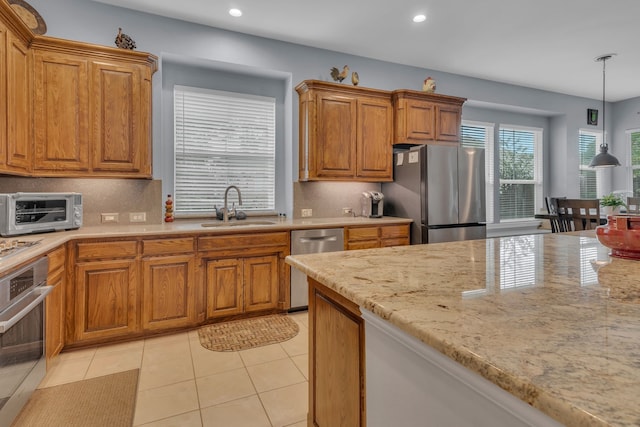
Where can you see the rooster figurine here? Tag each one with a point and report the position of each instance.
(339, 76)
(123, 41)
(355, 79)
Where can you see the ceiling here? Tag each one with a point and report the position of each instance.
(543, 44)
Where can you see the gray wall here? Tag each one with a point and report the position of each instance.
(186, 43)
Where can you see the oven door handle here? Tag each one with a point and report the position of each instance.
(15, 313)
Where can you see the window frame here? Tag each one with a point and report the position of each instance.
(538, 178)
(217, 195)
(598, 171)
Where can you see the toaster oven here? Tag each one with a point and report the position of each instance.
(29, 213)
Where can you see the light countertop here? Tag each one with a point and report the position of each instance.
(550, 318)
(49, 241)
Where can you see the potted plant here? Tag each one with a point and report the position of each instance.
(611, 204)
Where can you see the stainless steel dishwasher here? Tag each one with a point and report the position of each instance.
(310, 242)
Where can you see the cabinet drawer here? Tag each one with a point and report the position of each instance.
(394, 231)
(56, 259)
(242, 241)
(362, 233)
(362, 244)
(399, 241)
(168, 246)
(111, 250)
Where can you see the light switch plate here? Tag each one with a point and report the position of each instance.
(306, 213)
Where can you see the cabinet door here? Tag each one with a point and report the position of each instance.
(420, 119)
(106, 299)
(117, 124)
(260, 283)
(18, 105)
(448, 120)
(374, 139)
(336, 134)
(61, 113)
(223, 283)
(3, 95)
(336, 337)
(54, 319)
(168, 297)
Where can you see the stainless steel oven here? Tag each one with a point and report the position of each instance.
(22, 336)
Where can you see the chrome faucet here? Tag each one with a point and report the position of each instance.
(225, 210)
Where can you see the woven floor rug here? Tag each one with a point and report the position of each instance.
(97, 402)
(248, 333)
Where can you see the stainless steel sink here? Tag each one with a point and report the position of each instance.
(237, 223)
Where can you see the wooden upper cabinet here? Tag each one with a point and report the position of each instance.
(102, 98)
(345, 132)
(72, 109)
(121, 121)
(18, 78)
(336, 134)
(424, 118)
(61, 113)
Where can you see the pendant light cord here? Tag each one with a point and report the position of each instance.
(604, 65)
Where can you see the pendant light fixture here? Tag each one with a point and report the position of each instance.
(604, 159)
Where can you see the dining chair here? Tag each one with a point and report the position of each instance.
(633, 205)
(579, 214)
(557, 226)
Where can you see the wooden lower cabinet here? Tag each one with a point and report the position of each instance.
(336, 360)
(370, 237)
(106, 299)
(244, 285)
(260, 277)
(54, 306)
(223, 282)
(168, 292)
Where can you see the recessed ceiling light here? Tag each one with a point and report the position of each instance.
(235, 12)
(419, 18)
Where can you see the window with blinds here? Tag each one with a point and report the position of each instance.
(588, 143)
(520, 157)
(223, 139)
(480, 135)
(635, 161)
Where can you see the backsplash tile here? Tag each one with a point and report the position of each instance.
(328, 198)
(121, 196)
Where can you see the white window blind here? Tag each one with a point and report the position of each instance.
(635, 161)
(520, 157)
(480, 135)
(588, 143)
(223, 139)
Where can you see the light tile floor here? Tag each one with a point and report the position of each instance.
(182, 384)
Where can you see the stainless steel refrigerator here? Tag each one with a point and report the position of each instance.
(442, 188)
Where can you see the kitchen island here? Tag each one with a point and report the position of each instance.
(549, 319)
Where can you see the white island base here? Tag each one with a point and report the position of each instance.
(409, 384)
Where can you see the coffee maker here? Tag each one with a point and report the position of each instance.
(371, 203)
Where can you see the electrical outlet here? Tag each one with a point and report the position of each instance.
(108, 217)
(137, 217)
(347, 211)
(306, 213)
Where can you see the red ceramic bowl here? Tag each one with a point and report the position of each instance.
(621, 235)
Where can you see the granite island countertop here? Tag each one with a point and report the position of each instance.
(550, 318)
(50, 241)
